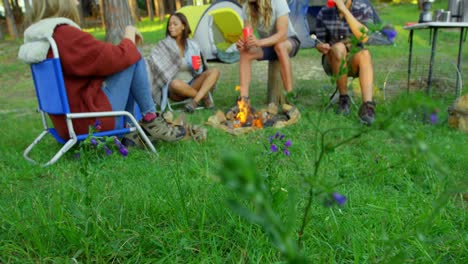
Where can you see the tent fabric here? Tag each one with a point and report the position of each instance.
(229, 21)
(193, 14)
(216, 25)
(298, 17)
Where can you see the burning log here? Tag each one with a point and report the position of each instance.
(246, 119)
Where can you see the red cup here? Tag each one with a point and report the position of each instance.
(196, 61)
(330, 3)
(247, 31)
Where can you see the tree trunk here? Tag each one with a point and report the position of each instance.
(177, 4)
(159, 9)
(27, 7)
(16, 10)
(134, 10)
(116, 16)
(28, 10)
(171, 6)
(275, 84)
(101, 13)
(1, 32)
(81, 12)
(10, 19)
(149, 9)
(156, 7)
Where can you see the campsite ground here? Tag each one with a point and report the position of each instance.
(405, 180)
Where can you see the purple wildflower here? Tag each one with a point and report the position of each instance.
(273, 148)
(288, 143)
(281, 137)
(286, 152)
(123, 151)
(107, 150)
(77, 155)
(270, 139)
(433, 118)
(117, 142)
(97, 124)
(390, 33)
(339, 199)
(277, 135)
(93, 142)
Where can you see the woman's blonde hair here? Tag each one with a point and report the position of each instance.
(55, 8)
(259, 9)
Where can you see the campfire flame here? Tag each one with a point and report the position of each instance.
(245, 114)
(244, 111)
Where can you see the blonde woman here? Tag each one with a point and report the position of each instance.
(278, 41)
(99, 76)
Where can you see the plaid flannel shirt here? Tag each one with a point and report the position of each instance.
(331, 28)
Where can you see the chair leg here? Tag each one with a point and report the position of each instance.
(33, 144)
(70, 143)
(56, 157)
(169, 105)
(211, 98)
(142, 133)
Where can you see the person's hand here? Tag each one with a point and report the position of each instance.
(138, 37)
(252, 41)
(240, 44)
(130, 33)
(323, 48)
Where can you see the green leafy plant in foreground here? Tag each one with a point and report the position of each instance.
(262, 192)
(260, 188)
(91, 154)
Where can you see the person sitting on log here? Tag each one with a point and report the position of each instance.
(278, 41)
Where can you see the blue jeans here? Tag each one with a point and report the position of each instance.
(125, 88)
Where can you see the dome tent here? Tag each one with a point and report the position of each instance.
(216, 28)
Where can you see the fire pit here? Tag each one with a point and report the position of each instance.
(247, 119)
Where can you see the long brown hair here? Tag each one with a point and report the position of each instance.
(187, 31)
(259, 9)
(55, 8)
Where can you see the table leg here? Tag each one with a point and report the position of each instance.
(460, 49)
(431, 63)
(410, 57)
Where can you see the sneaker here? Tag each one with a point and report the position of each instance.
(132, 140)
(367, 113)
(159, 129)
(209, 104)
(343, 105)
(190, 106)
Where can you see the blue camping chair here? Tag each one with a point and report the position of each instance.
(52, 99)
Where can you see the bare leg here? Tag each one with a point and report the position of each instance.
(204, 83)
(182, 89)
(361, 63)
(245, 74)
(282, 51)
(335, 57)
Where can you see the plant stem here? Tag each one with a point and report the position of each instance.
(304, 218)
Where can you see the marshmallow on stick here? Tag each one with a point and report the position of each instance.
(315, 38)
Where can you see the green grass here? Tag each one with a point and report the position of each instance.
(405, 203)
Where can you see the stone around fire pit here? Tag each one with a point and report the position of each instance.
(268, 117)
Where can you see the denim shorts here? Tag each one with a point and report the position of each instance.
(270, 54)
